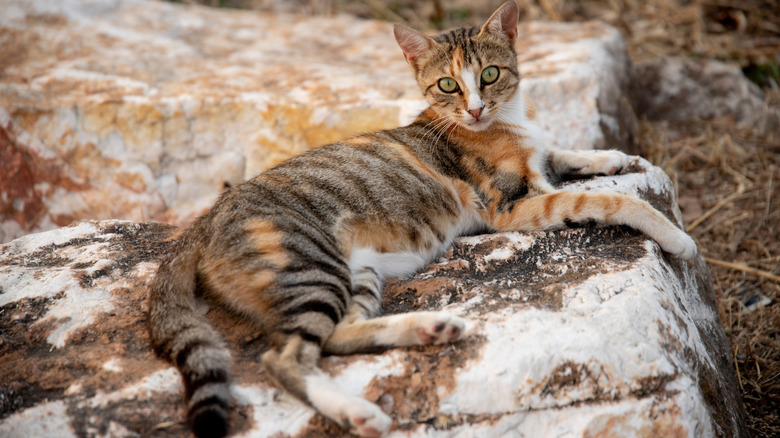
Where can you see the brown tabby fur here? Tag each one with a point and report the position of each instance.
(303, 248)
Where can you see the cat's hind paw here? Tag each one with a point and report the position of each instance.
(440, 328)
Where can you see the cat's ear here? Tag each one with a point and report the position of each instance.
(503, 22)
(414, 44)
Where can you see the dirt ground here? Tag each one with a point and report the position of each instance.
(726, 176)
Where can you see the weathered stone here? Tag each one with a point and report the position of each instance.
(590, 332)
(684, 90)
(146, 110)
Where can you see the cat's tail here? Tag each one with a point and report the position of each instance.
(181, 334)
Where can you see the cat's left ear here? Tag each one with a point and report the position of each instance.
(414, 44)
(503, 22)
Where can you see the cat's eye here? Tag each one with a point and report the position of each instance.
(489, 75)
(448, 85)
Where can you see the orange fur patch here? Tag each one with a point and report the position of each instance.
(458, 61)
(252, 293)
(542, 212)
(389, 237)
(468, 199)
(579, 204)
(500, 149)
(268, 242)
(244, 289)
(374, 233)
(244, 284)
(549, 204)
(359, 141)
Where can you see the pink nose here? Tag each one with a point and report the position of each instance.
(476, 112)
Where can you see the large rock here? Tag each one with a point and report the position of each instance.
(145, 110)
(684, 90)
(587, 332)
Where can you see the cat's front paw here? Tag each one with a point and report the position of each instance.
(440, 327)
(681, 245)
(607, 163)
(366, 419)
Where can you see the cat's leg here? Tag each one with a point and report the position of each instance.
(293, 367)
(359, 331)
(401, 330)
(585, 163)
(563, 209)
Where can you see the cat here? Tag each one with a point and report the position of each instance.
(303, 248)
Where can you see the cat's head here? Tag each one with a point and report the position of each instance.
(468, 75)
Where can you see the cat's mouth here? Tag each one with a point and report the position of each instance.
(478, 124)
(477, 120)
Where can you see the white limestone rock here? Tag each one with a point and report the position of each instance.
(587, 332)
(145, 110)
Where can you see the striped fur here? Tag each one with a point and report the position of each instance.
(303, 248)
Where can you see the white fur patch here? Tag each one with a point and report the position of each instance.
(361, 416)
(385, 264)
(325, 396)
(471, 90)
(514, 113)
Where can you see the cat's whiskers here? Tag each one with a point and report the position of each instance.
(449, 134)
(431, 128)
(427, 132)
(439, 125)
(444, 127)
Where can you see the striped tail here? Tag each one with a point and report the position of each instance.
(182, 335)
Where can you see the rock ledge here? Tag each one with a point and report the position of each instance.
(587, 332)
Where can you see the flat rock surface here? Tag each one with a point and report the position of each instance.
(589, 332)
(143, 110)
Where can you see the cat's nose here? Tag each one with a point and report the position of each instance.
(476, 112)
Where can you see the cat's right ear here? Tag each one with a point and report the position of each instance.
(414, 44)
(503, 22)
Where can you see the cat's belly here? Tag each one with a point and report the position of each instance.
(389, 264)
(406, 258)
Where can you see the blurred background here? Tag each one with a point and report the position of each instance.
(745, 32)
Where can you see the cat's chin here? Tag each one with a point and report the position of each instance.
(477, 125)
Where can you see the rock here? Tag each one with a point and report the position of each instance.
(684, 90)
(590, 332)
(579, 75)
(145, 110)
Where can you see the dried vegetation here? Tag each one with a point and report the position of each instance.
(726, 175)
(727, 181)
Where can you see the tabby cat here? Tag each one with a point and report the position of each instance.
(303, 248)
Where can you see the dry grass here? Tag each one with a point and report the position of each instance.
(729, 177)
(726, 176)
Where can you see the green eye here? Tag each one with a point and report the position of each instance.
(489, 75)
(448, 85)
